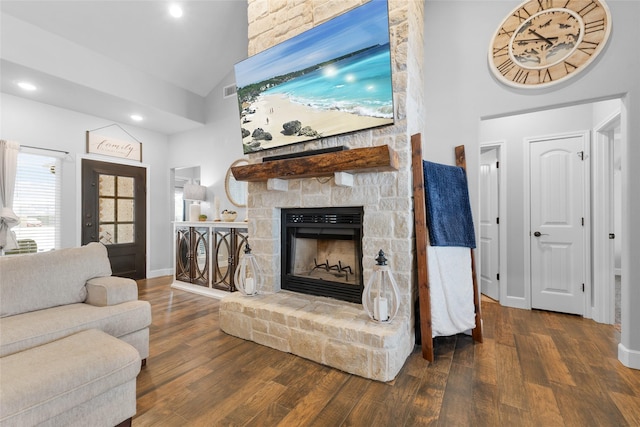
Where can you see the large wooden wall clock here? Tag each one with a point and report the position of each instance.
(543, 42)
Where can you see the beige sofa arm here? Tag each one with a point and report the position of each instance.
(110, 290)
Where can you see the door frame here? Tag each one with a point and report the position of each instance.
(147, 167)
(502, 213)
(602, 247)
(526, 193)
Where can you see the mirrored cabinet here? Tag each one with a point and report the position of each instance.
(206, 255)
(192, 255)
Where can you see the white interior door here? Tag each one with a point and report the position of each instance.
(557, 230)
(489, 224)
(605, 164)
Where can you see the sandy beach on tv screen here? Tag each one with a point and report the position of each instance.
(272, 111)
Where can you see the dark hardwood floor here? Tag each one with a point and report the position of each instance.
(534, 369)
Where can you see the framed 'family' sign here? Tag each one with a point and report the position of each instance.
(108, 146)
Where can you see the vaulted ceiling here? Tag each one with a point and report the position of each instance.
(112, 59)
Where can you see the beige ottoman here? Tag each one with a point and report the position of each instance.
(88, 378)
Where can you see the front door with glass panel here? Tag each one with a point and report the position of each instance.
(114, 213)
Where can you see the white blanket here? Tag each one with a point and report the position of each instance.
(451, 284)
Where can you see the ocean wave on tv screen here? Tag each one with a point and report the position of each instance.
(360, 85)
(363, 108)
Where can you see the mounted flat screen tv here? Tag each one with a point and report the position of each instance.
(332, 79)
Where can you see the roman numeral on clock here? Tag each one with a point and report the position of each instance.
(544, 76)
(504, 32)
(588, 8)
(593, 26)
(521, 76)
(569, 67)
(506, 66)
(544, 4)
(522, 18)
(588, 47)
(501, 51)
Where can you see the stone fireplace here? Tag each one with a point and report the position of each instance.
(332, 331)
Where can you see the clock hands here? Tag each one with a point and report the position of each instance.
(525, 41)
(541, 37)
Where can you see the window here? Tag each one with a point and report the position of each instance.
(37, 201)
(179, 203)
(116, 209)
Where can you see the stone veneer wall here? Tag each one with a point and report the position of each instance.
(385, 196)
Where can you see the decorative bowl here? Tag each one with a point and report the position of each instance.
(229, 217)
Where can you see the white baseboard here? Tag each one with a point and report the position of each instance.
(629, 358)
(159, 273)
(514, 302)
(200, 290)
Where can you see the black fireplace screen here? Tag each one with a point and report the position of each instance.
(322, 252)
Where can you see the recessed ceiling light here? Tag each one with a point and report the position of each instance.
(27, 86)
(136, 117)
(175, 10)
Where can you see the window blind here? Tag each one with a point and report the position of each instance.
(37, 200)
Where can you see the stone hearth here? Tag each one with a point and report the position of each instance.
(325, 330)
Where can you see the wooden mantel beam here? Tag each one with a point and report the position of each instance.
(380, 158)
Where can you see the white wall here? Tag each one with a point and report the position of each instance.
(213, 147)
(41, 125)
(460, 91)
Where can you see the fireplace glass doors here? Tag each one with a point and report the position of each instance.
(322, 252)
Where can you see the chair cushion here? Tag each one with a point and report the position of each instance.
(48, 279)
(26, 330)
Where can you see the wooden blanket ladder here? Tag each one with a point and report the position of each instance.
(422, 240)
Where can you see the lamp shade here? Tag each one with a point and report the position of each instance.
(194, 192)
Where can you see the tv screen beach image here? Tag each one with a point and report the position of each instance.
(330, 80)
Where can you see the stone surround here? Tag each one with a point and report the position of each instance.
(340, 334)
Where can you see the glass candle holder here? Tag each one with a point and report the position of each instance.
(381, 296)
(248, 276)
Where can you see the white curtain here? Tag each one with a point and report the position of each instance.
(8, 168)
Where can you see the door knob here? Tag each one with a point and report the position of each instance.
(538, 234)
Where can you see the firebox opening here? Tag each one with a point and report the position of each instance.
(325, 259)
(322, 252)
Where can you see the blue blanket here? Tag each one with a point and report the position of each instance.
(448, 209)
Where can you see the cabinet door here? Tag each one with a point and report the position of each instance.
(200, 256)
(238, 243)
(221, 259)
(228, 247)
(183, 254)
